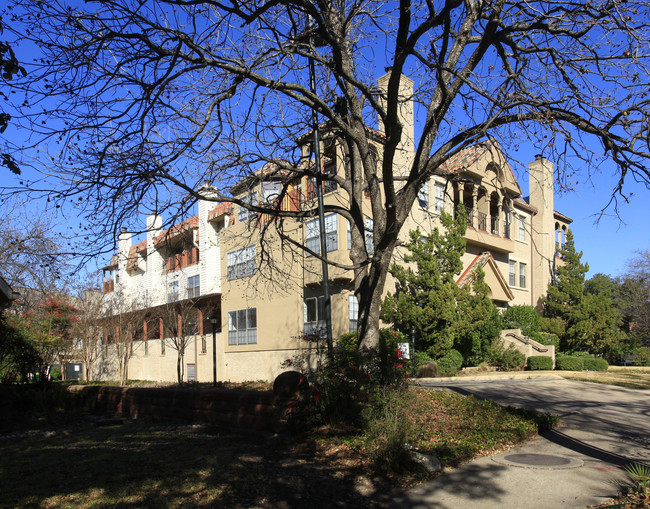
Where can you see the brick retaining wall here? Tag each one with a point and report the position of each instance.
(237, 408)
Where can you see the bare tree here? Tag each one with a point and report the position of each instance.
(89, 330)
(137, 104)
(181, 320)
(635, 295)
(122, 323)
(31, 251)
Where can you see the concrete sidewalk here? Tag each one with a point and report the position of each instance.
(603, 428)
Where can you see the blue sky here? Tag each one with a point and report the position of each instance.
(607, 244)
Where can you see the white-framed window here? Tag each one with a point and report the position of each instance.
(369, 235)
(522, 228)
(242, 327)
(349, 231)
(244, 213)
(353, 312)
(312, 234)
(271, 190)
(313, 310)
(439, 197)
(172, 291)
(241, 263)
(522, 275)
(512, 273)
(423, 196)
(193, 287)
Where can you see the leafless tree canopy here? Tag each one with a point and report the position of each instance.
(31, 252)
(135, 104)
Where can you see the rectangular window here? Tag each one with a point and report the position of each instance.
(512, 276)
(271, 191)
(522, 275)
(193, 287)
(244, 213)
(241, 263)
(522, 228)
(242, 327)
(313, 314)
(349, 235)
(353, 312)
(506, 227)
(370, 236)
(423, 196)
(312, 234)
(172, 291)
(440, 197)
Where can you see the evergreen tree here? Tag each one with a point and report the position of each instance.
(567, 290)
(425, 298)
(478, 321)
(429, 301)
(590, 320)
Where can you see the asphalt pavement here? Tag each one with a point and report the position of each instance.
(602, 429)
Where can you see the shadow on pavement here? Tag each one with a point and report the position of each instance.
(470, 482)
(564, 440)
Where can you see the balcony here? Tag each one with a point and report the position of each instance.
(109, 286)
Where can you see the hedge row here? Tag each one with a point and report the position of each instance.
(580, 363)
(540, 363)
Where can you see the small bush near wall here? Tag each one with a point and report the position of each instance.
(505, 359)
(450, 363)
(594, 364)
(539, 363)
(569, 363)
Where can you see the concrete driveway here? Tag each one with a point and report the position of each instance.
(603, 428)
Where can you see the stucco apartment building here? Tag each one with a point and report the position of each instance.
(261, 298)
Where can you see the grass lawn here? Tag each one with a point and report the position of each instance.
(140, 465)
(625, 376)
(635, 377)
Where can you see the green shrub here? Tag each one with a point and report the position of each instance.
(569, 363)
(550, 339)
(450, 363)
(539, 363)
(416, 362)
(524, 318)
(505, 359)
(594, 364)
(348, 341)
(55, 373)
(582, 354)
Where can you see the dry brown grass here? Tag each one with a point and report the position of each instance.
(624, 376)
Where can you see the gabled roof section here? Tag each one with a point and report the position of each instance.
(222, 209)
(279, 170)
(112, 264)
(499, 289)
(132, 262)
(484, 160)
(561, 217)
(178, 229)
(523, 204)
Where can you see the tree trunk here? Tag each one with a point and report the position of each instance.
(369, 294)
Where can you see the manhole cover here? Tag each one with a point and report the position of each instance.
(532, 460)
(538, 460)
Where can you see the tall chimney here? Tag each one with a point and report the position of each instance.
(406, 147)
